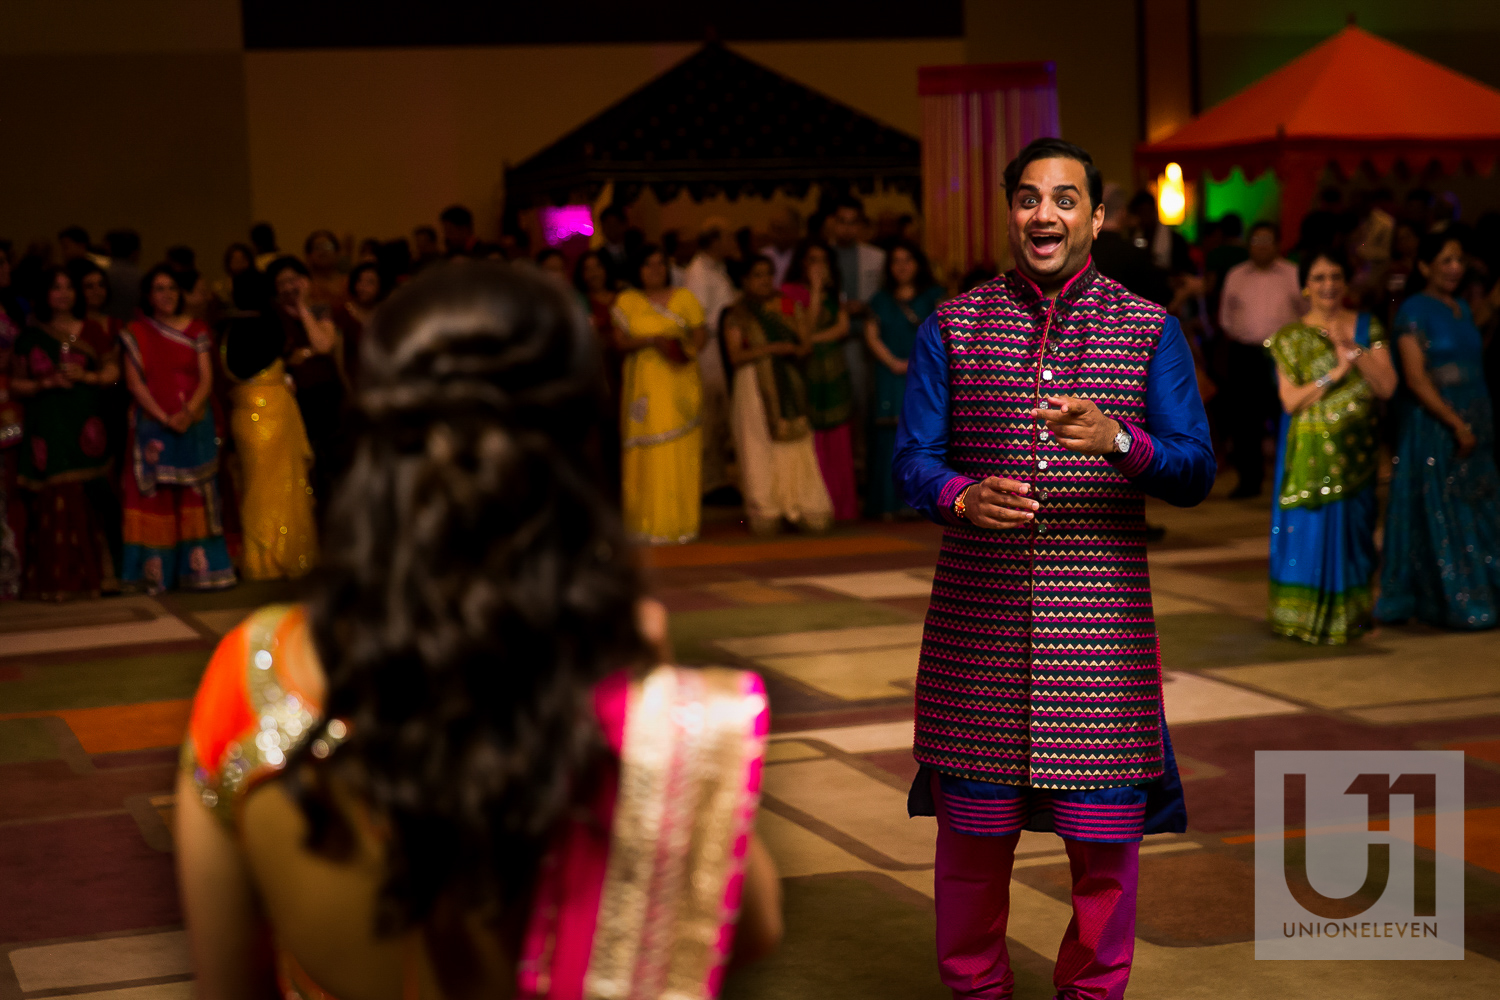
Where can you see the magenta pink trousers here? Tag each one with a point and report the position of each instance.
(835, 450)
(973, 906)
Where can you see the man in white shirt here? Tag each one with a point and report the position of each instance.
(708, 279)
(1261, 295)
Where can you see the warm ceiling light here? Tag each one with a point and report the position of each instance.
(1171, 197)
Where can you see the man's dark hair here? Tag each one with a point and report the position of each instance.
(1141, 203)
(1232, 226)
(426, 231)
(75, 234)
(263, 237)
(457, 215)
(182, 258)
(1054, 149)
(1265, 224)
(849, 201)
(122, 243)
(613, 212)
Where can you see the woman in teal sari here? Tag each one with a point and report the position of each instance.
(1442, 534)
(1331, 366)
(908, 296)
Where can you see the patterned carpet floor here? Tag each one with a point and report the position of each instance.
(94, 698)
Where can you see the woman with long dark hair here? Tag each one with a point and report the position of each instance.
(907, 297)
(814, 288)
(60, 363)
(459, 771)
(278, 530)
(1442, 528)
(773, 435)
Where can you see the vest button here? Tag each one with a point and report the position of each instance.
(1046, 374)
(1041, 529)
(1041, 463)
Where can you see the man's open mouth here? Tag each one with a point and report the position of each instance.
(1045, 244)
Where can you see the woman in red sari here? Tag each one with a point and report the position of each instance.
(463, 768)
(174, 531)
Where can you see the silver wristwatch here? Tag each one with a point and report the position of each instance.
(1122, 442)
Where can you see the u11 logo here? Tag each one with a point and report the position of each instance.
(1359, 855)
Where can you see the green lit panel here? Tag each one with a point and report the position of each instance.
(1251, 200)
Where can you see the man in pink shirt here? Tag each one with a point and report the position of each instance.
(1260, 296)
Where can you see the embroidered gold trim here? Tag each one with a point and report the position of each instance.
(681, 808)
(284, 720)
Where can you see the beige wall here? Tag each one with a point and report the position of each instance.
(374, 142)
(124, 113)
(1094, 48)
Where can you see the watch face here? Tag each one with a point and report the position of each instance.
(1122, 442)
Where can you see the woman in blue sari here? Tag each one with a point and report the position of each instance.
(1331, 366)
(1442, 535)
(908, 296)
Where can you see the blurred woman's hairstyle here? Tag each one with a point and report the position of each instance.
(149, 279)
(41, 309)
(478, 584)
(797, 271)
(923, 279)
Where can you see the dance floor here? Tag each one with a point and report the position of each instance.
(93, 699)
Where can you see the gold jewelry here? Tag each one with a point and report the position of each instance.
(959, 510)
(1307, 293)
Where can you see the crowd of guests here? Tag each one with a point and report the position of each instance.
(1370, 353)
(162, 429)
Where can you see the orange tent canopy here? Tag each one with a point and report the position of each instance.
(1353, 99)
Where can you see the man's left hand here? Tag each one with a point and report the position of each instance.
(1078, 425)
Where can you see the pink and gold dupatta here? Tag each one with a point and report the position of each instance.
(646, 908)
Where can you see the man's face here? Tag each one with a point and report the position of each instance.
(1263, 247)
(1052, 222)
(783, 231)
(456, 238)
(846, 226)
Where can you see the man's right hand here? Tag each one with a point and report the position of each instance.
(999, 504)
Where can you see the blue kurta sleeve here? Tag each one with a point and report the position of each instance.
(919, 463)
(1171, 457)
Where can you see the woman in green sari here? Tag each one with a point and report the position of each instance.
(819, 308)
(1331, 366)
(773, 433)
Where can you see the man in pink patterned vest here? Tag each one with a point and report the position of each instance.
(1041, 409)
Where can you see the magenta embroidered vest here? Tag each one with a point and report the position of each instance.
(1039, 661)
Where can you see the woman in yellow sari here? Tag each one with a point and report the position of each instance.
(276, 495)
(661, 332)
